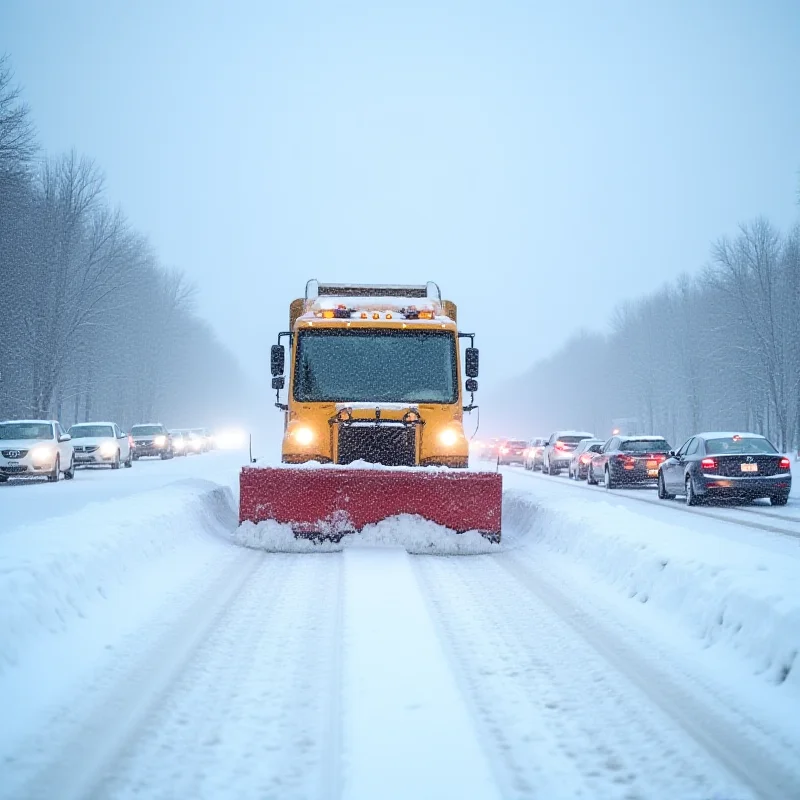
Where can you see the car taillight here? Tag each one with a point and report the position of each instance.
(503, 449)
(709, 463)
(560, 446)
(628, 462)
(785, 463)
(585, 459)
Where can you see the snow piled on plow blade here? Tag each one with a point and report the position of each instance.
(411, 532)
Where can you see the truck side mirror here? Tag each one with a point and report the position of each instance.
(277, 359)
(471, 366)
(278, 383)
(472, 385)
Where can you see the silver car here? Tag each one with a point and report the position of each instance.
(559, 448)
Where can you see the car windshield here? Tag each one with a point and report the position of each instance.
(645, 446)
(731, 445)
(90, 431)
(386, 366)
(146, 430)
(25, 430)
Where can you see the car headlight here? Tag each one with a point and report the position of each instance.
(449, 437)
(108, 449)
(304, 436)
(160, 441)
(43, 455)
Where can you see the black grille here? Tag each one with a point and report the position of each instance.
(89, 448)
(390, 445)
(15, 453)
(731, 466)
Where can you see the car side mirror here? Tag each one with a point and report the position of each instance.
(472, 385)
(471, 362)
(278, 383)
(65, 437)
(277, 359)
(673, 454)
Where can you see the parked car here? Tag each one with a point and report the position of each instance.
(582, 457)
(742, 466)
(628, 461)
(101, 443)
(512, 452)
(534, 452)
(37, 448)
(559, 448)
(151, 439)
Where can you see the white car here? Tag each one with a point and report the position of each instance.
(35, 448)
(101, 443)
(558, 450)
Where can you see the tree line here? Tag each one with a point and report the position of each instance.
(715, 351)
(93, 325)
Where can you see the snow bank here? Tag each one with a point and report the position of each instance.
(415, 534)
(52, 573)
(724, 592)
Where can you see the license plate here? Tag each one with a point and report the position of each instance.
(652, 473)
(749, 467)
(13, 463)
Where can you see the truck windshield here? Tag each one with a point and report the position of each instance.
(376, 366)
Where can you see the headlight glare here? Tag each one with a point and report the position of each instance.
(448, 437)
(160, 441)
(108, 449)
(42, 455)
(304, 436)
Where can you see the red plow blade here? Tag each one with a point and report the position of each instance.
(329, 502)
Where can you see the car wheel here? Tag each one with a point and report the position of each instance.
(663, 494)
(779, 499)
(70, 473)
(545, 469)
(609, 482)
(691, 497)
(590, 479)
(56, 473)
(129, 461)
(115, 462)
(3, 478)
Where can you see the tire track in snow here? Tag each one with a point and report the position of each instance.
(561, 723)
(226, 702)
(260, 686)
(749, 755)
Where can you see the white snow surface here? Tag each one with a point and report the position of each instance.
(605, 649)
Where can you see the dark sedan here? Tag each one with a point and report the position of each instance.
(727, 465)
(628, 461)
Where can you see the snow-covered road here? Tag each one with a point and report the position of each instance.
(144, 654)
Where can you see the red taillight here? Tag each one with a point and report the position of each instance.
(785, 463)
(560, 446)
(708, 463)
(585, 459)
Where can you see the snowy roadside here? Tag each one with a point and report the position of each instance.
(722, 593)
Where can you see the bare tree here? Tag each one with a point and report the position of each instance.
(17, 134)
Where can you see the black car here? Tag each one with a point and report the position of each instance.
(152, 439)
(628, 461)
(727, 465)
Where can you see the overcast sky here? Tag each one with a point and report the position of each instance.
(541, 161)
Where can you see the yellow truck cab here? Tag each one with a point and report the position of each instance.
(375, 374)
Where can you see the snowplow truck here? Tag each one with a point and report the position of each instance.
(374, 411)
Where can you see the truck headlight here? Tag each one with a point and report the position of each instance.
(304, 436)
(448, 437)
(108, 449)
(160, 441)
(42, 455)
